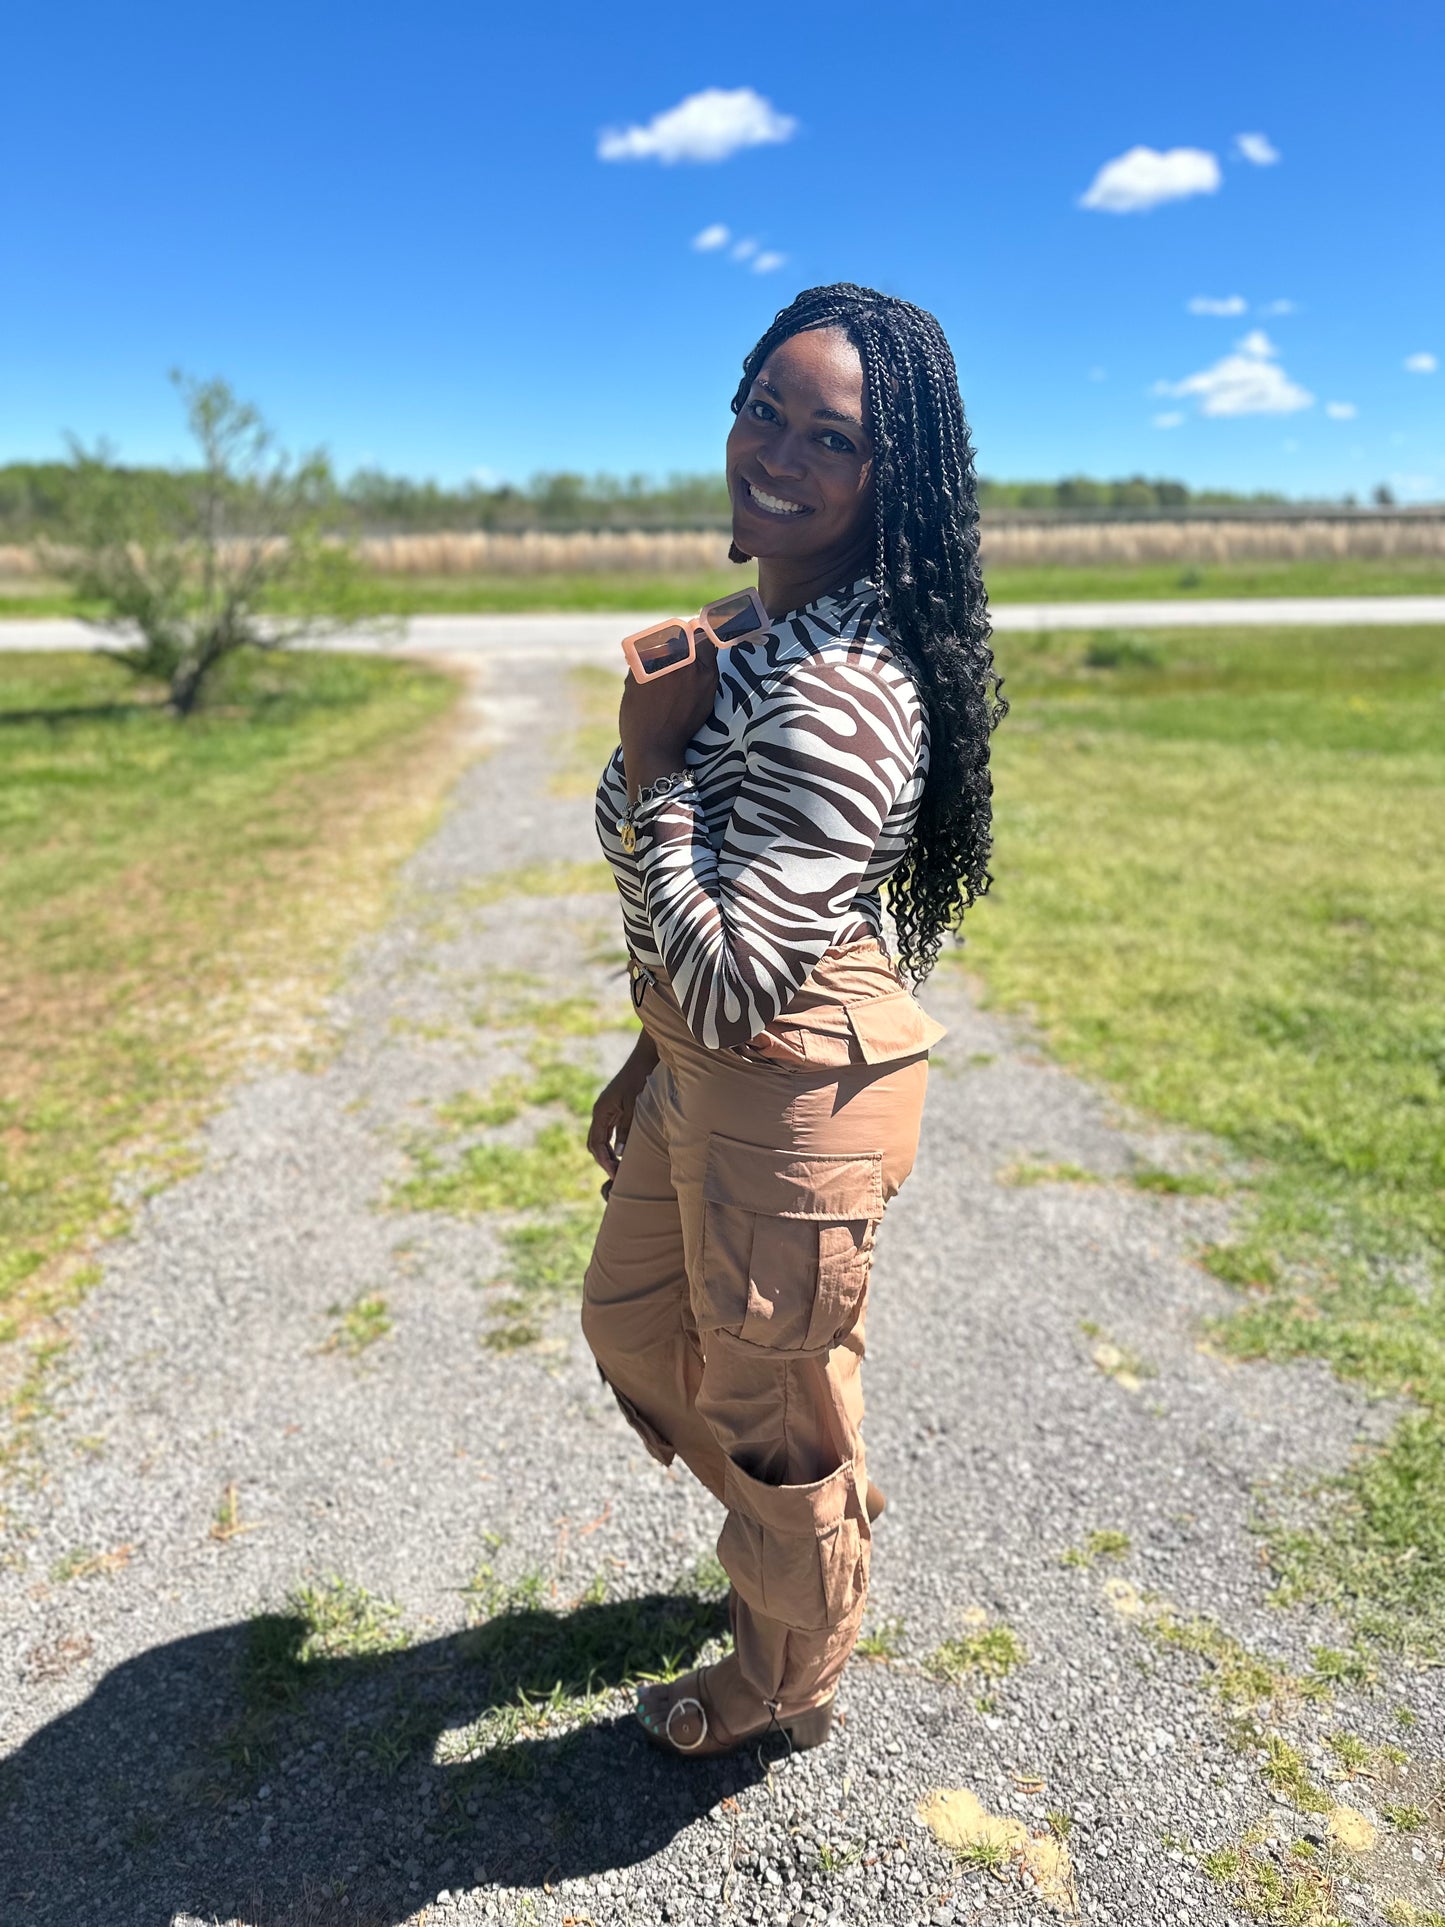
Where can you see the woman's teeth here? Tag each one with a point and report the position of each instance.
(774, 503)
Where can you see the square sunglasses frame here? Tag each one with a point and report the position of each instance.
(762, 622)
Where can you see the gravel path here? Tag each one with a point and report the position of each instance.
(596, 635)
(1036, 1375)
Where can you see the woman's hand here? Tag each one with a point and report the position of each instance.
(612, 1113)
(659, 719)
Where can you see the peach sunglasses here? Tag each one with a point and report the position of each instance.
(665, 646)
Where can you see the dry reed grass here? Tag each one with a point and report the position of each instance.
(1005, 546)
(549, 552)
(1130, 544)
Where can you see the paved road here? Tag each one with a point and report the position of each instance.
(169, 1763)
(586, 636)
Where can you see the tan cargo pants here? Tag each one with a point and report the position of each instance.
(725, 1297)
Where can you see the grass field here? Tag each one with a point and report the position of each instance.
(676, 594)
(1222, 890)
(174, 900)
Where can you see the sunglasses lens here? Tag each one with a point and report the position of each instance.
(733, 616)
(663, 647)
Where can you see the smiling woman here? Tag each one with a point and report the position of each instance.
(758, 803)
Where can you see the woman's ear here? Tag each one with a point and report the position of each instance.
(735, 554)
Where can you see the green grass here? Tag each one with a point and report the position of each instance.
(1404, 1818)
(545, 1263)
(551, 1666)
(160, 885)
(883, 1642)
(549, 1181)
(1378, 1552)
(342, 1620)
(555, 1016)
(552, 1169)
(1284, 1772)
(1350, 1751)
(330, 1619)
(621, 590)
(359, 1325)
(990, 1652)
(1303, 1891)
(596, 693)
(540, 880)
(1105, 1543)
(554, 1080)
(1405, 575)
(1236, 1676)
(680, 594)
(545, 1185)
(1222, 891)
(1023, 1173)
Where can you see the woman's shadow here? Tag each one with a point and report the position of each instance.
(249, 1773)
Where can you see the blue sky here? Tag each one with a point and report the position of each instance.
(397, 231)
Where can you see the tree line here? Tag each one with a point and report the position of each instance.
(38, 500)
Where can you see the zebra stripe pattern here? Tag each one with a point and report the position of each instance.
(809, 775)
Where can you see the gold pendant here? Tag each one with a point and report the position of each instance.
(628, 837)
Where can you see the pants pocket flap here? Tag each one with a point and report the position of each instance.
(782, 1184)
(801, 1511)
(892, 1026)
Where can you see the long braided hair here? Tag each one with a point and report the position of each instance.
(930, 590)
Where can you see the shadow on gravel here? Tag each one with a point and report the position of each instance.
(229, 1776)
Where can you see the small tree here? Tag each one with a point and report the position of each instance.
(189, 568)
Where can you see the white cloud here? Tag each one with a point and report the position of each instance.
(1144, 177)
(1278, 307)
(767, 261)
(1257, 148)
(1421, 364)
(1247, 382)
(1171, 419)
(1256, 342)
(705, 127)
(716, 236)
(1217, 304)
(742, 249)
(1341, 411)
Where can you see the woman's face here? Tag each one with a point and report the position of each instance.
(799, 456)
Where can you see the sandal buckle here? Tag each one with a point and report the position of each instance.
(684, 1746)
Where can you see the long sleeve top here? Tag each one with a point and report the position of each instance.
(809, 774)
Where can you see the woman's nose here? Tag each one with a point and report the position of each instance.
(785, 459)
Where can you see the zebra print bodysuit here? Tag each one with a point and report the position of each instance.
(809, 774)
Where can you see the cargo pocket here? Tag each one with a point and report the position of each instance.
(656, 1444)
(893, 1026)
(787, 1239)
(795, 1553)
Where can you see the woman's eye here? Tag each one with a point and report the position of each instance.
(837, 444)
(767, 413)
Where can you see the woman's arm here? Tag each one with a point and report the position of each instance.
(829, 751)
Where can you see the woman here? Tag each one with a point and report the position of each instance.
(755, 807)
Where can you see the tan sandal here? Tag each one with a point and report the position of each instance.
(694, 1728)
